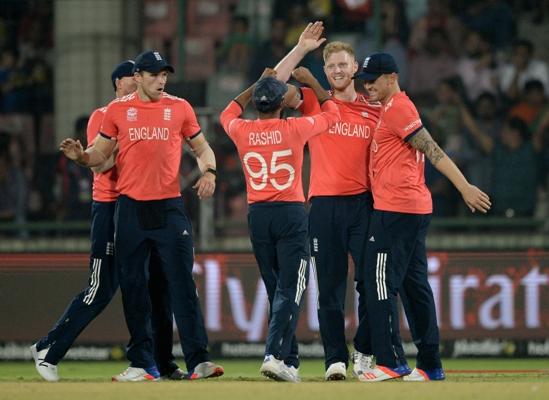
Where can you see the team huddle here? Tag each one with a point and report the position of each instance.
(367, 197)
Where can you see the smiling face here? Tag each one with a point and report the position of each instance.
(382, 88)
(151, 85)
(339, 66)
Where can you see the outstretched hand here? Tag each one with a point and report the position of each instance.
(310, 39)
(72, 149)
(476, 199)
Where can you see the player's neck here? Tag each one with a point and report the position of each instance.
(394, 90)
(144, 97)
(347, 94)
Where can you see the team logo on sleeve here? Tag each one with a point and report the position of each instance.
(167, 114)
(131, 114)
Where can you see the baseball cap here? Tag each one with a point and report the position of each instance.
(151, 61)
(125, 68)
(268, 94)
(375, 65)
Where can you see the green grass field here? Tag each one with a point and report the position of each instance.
(466, 379)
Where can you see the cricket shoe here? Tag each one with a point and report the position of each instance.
(422, 375)
(361, 363)
(204, 370)
(45, 369)
(275, 369)
(336, 372)
(381, 373)
(133, 374)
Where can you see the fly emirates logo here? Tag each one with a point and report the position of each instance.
(351, 130)
(149, 133)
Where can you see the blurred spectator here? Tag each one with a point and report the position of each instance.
(477, 67)
(237, 48)
(13, 182)
(532, 106)
(297, 15)
(445, 117)
(446, 198)
(522, 68)
(269, 53)
(353, 14)
(488, 120)
(515, 167)
(438, 16)
(74, 182)
(431, 65)
(493, 19)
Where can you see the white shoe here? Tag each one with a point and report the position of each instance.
(275, 369)
(45, 369)
(336, 372)
(294, 372)
(206, 369)
(361, 363)
(132, 374)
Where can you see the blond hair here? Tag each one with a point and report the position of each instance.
(334, 47)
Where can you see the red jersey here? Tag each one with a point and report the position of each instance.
(271, 150)
(150, 139)
(339, 159)
(396, 168)
(104, 184)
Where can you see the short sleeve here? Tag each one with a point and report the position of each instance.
(108, 126)
(94, 125)
(310, 105)
(191, 127)
(229, 118)
(403, 119)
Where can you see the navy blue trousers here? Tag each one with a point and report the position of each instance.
(337, 227)
(396, 262)
(171, 237)
(278, 232)
(103, 283)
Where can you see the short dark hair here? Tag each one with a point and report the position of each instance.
(534, 84)
(524, 43)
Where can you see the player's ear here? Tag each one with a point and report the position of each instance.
(355, 67)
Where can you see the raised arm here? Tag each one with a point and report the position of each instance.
(473, 196)
(303, 75)
(309, 40)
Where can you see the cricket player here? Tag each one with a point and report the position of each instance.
(271, 152)
(150, 128)
(103, 282)
(340, 196)
(396, 259)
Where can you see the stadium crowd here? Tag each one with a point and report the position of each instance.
(483, 92)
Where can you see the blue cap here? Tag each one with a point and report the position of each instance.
(268, 94)
(375, 65)
(123, 69)
(151, 61)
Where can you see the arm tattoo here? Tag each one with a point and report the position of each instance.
(423, 142)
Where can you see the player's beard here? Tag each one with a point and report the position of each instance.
(341, 84)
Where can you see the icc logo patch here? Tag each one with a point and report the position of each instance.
(167, 114)
(131, 114)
